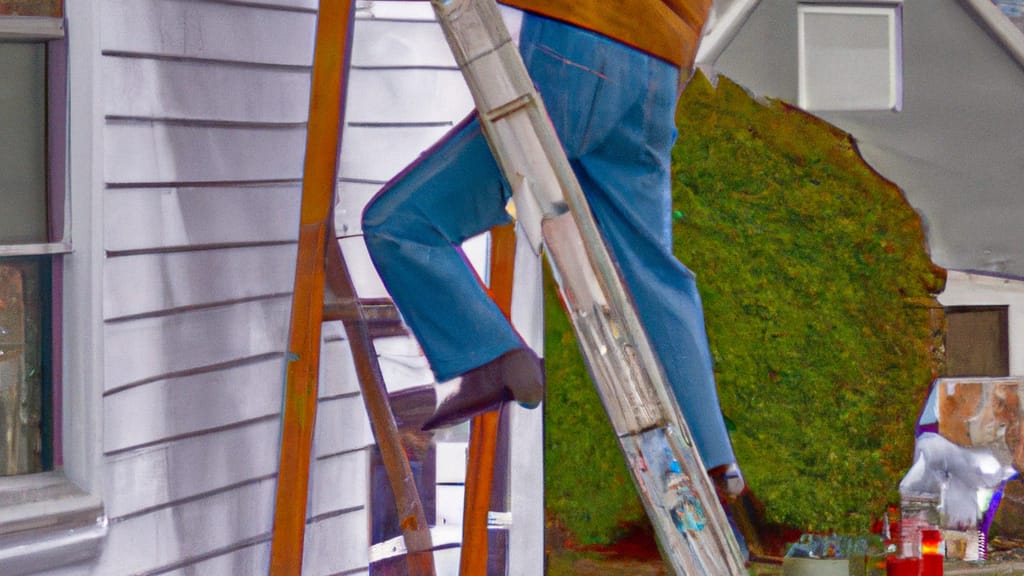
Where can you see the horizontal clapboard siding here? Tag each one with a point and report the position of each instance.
(323, 547)
(149, 348)
(400, 42)
(199, 90)
(160, 282)
(249, 559)
(212, 530)
(326, 545)
(377, 153)
(190, 405)
(168, 218)
(190, 531)
(302, 5)
(411, 96)
(189, 468)
(205, 104)
(206, 477)
(198, 30)
(158, 152)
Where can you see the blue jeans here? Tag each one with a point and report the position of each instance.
(613, 108)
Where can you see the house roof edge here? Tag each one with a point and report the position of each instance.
(721, 29)
(1011, 37)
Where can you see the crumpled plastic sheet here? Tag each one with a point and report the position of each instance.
(961, 479)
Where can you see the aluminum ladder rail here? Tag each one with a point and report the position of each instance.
(677, 493)
(323, 292)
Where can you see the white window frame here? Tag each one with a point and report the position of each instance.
(892, 11)
(56, 518)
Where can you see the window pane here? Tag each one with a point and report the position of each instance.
(21, 370)
(31, 7)
(22, 142)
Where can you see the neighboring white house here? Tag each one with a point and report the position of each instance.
(933, 93)
(173, 209)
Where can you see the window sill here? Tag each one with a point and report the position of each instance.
(35, 250)
(47, 522)
(33, 27)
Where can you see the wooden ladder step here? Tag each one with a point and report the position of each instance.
(380, 315)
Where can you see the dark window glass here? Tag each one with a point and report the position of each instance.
(23, 334)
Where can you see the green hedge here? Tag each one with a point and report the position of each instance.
(818, 295)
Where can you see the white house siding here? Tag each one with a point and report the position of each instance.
(203, 106)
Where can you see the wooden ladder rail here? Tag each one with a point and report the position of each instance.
(319, 264)
(352, 312)
(483, 435)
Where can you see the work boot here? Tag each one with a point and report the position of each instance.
(514, 376)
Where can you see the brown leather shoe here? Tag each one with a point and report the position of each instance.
(514, 376)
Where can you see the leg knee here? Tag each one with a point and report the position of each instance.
(377, 228)
(383, 223)
(394, 212)
(374, 219)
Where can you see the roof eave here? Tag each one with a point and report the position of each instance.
(719, 31)
(1011, 37)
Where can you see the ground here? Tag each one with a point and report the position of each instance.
(637, 555)
(574, 563)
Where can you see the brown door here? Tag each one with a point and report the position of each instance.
(977, 341)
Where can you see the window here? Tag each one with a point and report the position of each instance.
(32, 234)
(850, 56)
(50, 515)
(977, 341)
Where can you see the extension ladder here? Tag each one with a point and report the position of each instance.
(674, 486)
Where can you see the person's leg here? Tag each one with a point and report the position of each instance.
(618, 139)
(412, 230)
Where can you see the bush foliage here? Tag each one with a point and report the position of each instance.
(818, 294)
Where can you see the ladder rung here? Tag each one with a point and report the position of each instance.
(395, 547)
(381, 316)
(510, 107)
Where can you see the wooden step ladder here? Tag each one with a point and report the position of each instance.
(324, 292)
